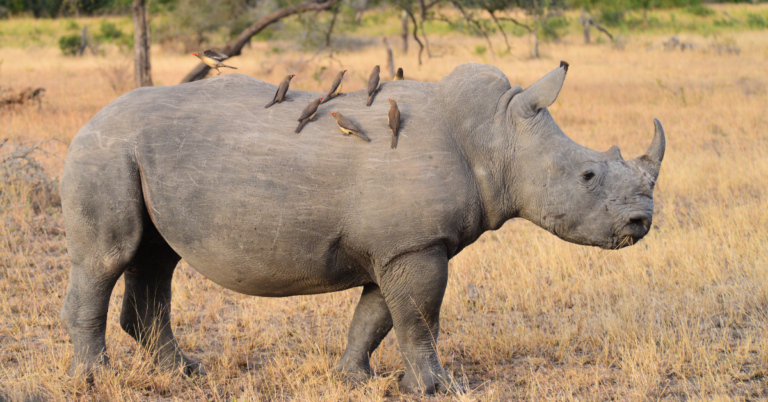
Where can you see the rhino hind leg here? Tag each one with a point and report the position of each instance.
(413, 286)
(84, 317)
(146, 311)
(103, 234)
(370, 325)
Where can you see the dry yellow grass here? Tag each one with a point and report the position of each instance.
(681, 316)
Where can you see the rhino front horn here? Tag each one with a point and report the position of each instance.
(652, 158)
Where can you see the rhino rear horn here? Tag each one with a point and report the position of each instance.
(651, 160)
(542, 93)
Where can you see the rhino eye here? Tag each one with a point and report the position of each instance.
(588, 175)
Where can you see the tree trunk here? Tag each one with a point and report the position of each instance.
(142, 71)
(390, 58)
(585, 22)
(330, 28)
(501, 29)
(234, 48)
(360, 7)
(535, 49)
(83, 40)
(404, 34)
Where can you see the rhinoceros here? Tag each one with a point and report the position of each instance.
(203, 172)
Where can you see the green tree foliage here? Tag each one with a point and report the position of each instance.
(193, 24)
(70, 44)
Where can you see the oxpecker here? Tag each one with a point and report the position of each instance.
(281, 90)
(308, 114)
(373, 84)
(214, 59)
(347, 127)
(336, 86)
(398, 75)
(394, 121)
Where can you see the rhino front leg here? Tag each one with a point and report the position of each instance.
(146, 313)
(370, 325)
(413, 286)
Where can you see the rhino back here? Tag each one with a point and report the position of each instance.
(262, 210)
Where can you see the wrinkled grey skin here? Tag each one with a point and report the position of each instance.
(202, 171)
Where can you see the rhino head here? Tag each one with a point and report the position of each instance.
(527, 167)
(580, 195)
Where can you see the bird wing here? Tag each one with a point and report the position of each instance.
(373, 82)
(281, 90)
(335, 85)
(215, 55)
(345, 123)
(309, 110)
(394, 118)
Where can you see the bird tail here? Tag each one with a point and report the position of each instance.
(363, 136)
(270, 103)
(326, 99)
(370, 100)
(394, 141)
(224, 65)
(301, 125)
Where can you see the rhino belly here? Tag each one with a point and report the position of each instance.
(268, 234)
(263, 254)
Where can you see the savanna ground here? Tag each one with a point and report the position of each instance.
(683, 315)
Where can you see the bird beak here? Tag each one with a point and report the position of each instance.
(332, 114)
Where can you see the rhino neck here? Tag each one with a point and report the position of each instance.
(474, 100)
(487, 142)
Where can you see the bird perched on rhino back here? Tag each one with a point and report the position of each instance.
(308, 114)
(282, 90)
(373, 84)
(394, 121)
(398, 75)
(335, 86)
(214, 59)
(347, 127)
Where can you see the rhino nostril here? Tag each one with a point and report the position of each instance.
(640, 220)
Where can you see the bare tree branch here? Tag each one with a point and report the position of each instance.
(601, 29)
(415, 29)
(234, 48)
(518, 23)
(330, 27)
(506, 40)
(471, 21)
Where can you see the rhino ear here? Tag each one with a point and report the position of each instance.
(541, 94)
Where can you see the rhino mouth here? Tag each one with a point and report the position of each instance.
(625, 241)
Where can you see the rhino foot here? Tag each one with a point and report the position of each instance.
(353, 373)
(429, 384)
(192, 368)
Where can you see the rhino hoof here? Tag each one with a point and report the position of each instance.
(410, 385)
(353, 374)
(193, 368)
